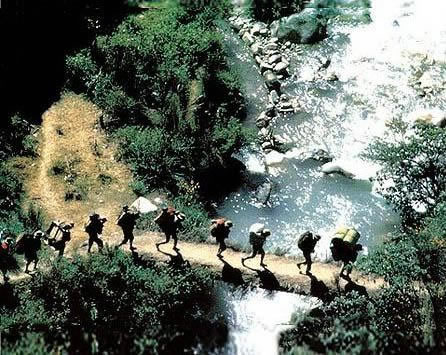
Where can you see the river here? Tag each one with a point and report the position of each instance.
(387, 69)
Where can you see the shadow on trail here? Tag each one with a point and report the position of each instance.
(267, 279)
(231, 274)
(353, 286)
(176, 260)
(319, 289)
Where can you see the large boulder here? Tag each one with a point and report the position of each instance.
(307, 27)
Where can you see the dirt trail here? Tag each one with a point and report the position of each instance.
(282, 268)
(71, 141)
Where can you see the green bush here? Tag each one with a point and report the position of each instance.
(163, 80)
(108, 303)
(354, 324)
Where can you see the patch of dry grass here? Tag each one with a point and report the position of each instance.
(76, 156)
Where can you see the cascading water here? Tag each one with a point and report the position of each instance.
(387, 69)
(256, 317)
(378, 66)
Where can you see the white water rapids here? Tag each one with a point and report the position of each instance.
(377, 65)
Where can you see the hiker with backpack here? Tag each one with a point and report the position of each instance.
(127, 221)
(345, 247)
(307, 242)
(169, 221)
(257, 237)
(94, 229)
(220, 229)
(7, 259)
(62, 229)
(30, 245)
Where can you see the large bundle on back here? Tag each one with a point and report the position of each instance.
(348, 235)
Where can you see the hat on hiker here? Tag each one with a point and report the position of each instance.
(125, 207)
(39, 234)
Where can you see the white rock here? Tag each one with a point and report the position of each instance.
(143, 205)
(274, 59)
(248, 38)
(274, 158)
(281, 67)
(336, 168)
(256, 48)
(271, 46)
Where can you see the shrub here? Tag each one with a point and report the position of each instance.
(108, 303)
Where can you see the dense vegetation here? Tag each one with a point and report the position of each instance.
(169, 99)
(409, 316)
(107, 303)
(166, 91)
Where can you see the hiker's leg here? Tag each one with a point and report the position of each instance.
(99, 242)
(131, 237)
(36, 260)
(28, 262)
(90, 243)
(308, 261)
(175, 240)
(167, 234)
(262, 256)
(253, 255)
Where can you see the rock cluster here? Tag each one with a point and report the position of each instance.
(273, 64)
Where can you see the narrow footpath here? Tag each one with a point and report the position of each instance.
(281, 272)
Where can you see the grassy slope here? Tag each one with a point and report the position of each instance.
(70, 136)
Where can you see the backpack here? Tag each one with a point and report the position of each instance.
(217, 227)
(305, 240)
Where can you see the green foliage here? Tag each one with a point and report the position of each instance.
(107, 303)
(354, 324)
(415, 166)
(163, 81)
(395, 259)
(196, 225)
(16, 139)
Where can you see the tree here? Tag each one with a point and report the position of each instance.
(413, 177)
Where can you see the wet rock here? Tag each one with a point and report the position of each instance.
(265, 133)
(248, 38)
(271, 80)
(336, 168)
(270, 110)
(308, 27)
(267, 145)
(264, 32)
(274, 97)
(263, 192)
(331, 76)
(271, 46)
(321, 156)
(276, 58)
(281, 67)
(255, 30)
(274, 158)
(259, 60)
(256, 48)
(265, 67)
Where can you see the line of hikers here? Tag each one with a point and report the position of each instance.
(343, 246)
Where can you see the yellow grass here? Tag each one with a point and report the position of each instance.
(70, 132)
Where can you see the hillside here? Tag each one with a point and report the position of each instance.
(77, 172)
